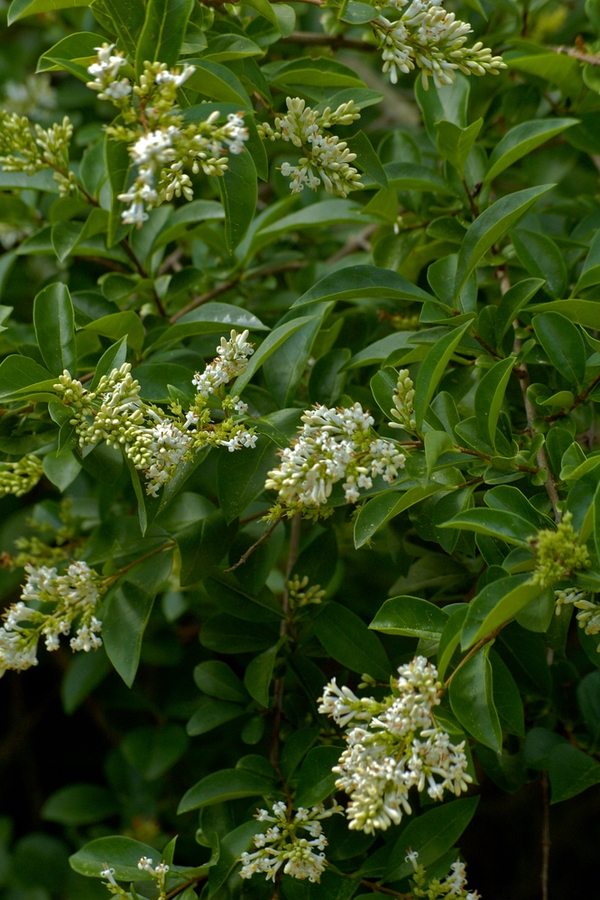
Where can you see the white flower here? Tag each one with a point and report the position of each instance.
(433, 39)
(232, 360)
(176, 78)
(400, 747)
(59, 600)
(333, 445)
(284, 844)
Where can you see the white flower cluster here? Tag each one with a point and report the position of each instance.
(404, 394)
(285, 844)
(145, 864)
(231, 361)
(20, 477)
(161, 144)
(589, 612)
(22, 150)
(157, 443)
(427, 36)
(333, 444)
(327, 158)
(105, 71)
(452, 887)
(398, 748)
(58, 600)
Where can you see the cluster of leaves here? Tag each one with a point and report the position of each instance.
(468, 261)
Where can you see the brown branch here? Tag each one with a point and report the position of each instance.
(137, 562)
(335, 41)
(250, 550)
(484, 640)
(545, 836)
(578, 54)
(357, 242)
(480, 455)
(486, 346)
(252, 518)
(231, 282)
(383, 890)
(195, 880)
(576, 402)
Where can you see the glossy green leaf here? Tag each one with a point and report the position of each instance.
(494, 522)
(449, 640)
(433, 368)
(357, 282)
(489, 397)
(431, 834)
(496, 604)
(217, 679)
(123, 852)
(376, 512)
(274, 340)
(18, 373)
(491, 225)
(163, 31)
(542, 258)
(472, 699)
(412, 617)
(124, 622)
(228, 784)
(346, 637)
(202, 546)
(79, 804)
(316, 780)
(521, 140)
(570, 771)
(241, 476)
(127, 18)
(563, 343)
(21, 8)
(118, 325)
(259, 675)
(439, 104)
(211, 714)
(79, 47)
(55, 328)
(117, 163)
(217, 82)
(454, 143)
(238, 187)
(507, 698)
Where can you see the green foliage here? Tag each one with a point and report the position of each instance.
(361, 531)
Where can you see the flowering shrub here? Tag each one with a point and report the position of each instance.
(299, 463)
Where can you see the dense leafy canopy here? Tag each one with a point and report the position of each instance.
(385, 477)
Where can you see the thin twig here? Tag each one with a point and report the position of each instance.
(578, 54)
(250, 550)
(576, 402)
(545, 836)
(252, 518)
(383, 890)
(231, 282)
(357, 242)
(484, 640)
(195, 880)
(136, 562)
